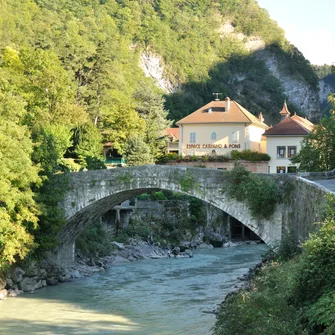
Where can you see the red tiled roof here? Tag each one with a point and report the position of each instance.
(294, 125)
(215, 112)
(172, 132)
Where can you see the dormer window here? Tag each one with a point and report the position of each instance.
(213, 137)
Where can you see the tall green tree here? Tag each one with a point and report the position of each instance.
(87, 146)
(18, 209)
(137, 152)
(150, 107)
(318, 148)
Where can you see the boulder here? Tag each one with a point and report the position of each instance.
(30, 284)
(32, 270)
(17, 275)
(119, 246)
(214, 238)
(52, 281)
(3, 283)
(9, 283)
(63, 277)
(43, 273)
(3, 294)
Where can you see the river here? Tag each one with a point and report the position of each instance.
(148, 297)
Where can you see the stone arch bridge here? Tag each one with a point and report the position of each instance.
(92, 193)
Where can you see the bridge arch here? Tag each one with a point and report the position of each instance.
(93, 193)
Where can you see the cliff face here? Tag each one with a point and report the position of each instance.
(301, 95)
(298, 91)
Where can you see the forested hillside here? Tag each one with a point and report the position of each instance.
(72, 75)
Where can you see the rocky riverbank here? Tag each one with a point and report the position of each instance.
(34, 275)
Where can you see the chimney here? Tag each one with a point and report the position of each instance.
(260, 117)
(227, 107)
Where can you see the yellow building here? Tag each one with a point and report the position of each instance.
(220, 127)
(283, 141)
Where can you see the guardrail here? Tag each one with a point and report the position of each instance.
(318, 175)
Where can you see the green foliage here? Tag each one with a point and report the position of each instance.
(52, 142)
(292, 297)
(265, 308)
(262, 195)
(95, 241)
(87, 146)
(259, 192)
(248, 155)
(18, 209)
(317, 151)
(51, 218)
(188, 181)
(67, 65)
(125, 178)
(137, 152)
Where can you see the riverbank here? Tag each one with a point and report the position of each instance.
(33, 276)
(165, 296)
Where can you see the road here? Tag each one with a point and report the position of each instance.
(327, 183)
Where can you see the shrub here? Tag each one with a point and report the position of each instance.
(262, 195)
(248, 155)
(94, 241)
(260, 192)
(263, 309)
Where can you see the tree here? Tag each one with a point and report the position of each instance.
(318, 148)
(87, 146)
(52, 142)
(137, 152)
(18, 209)
(150, 107)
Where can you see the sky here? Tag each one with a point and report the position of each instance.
(309, 25)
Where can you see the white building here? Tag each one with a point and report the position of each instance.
(220, 127)
(283, 141)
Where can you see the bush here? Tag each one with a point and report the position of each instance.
(95, 241)
(263, 309)
(248, 155)
(260, 193)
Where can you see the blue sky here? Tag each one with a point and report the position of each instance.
(309, 25)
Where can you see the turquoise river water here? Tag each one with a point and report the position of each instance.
(149, 297)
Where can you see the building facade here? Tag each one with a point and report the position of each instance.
(283, 141)
(220, 127)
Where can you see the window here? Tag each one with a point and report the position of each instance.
(235, 138)
(192, 137)
(281, 169)
(213, 135)
(281, 152)
(291, 151)
(291, 169)
(213, 152)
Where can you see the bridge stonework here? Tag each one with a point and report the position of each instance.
(92, 193)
